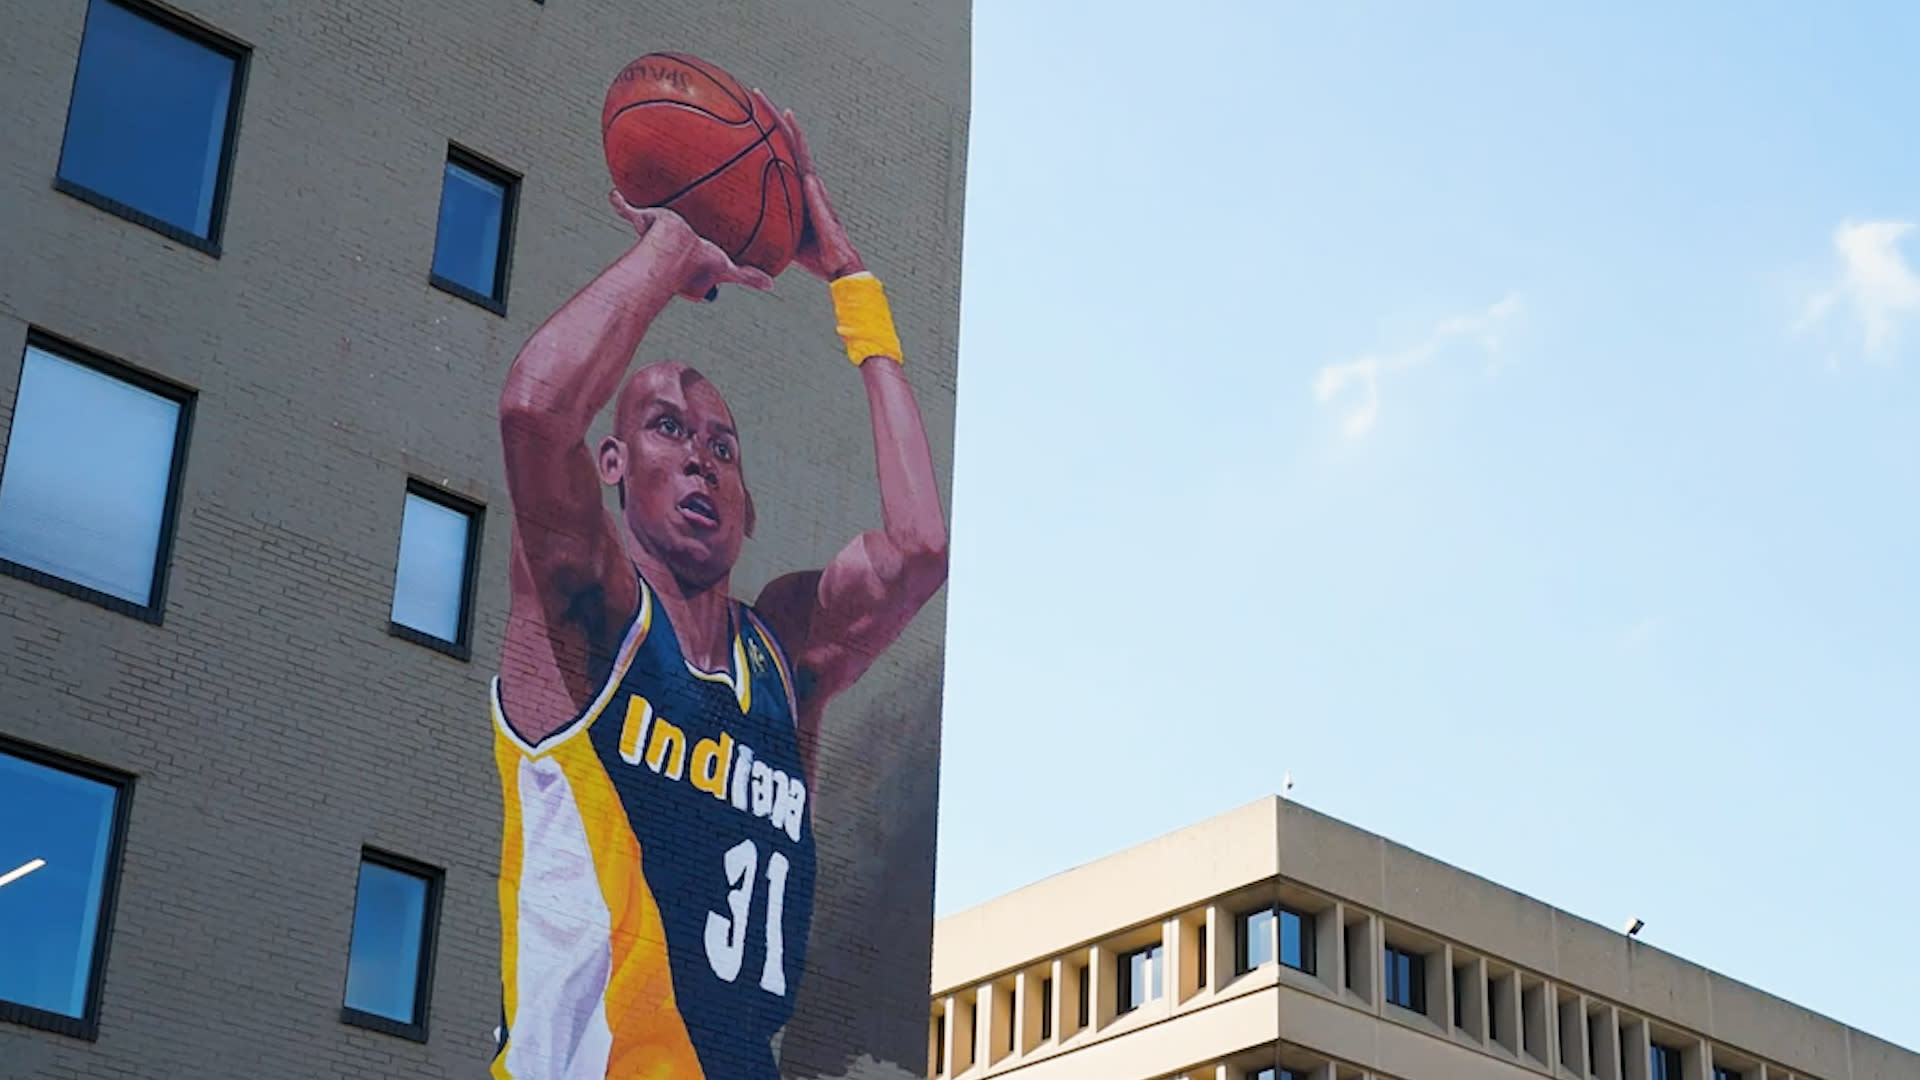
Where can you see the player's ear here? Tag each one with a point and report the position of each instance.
(750, 518)
(611, 461)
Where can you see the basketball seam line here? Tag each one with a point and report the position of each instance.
(701, 66)
(723, 167)
(687, 105)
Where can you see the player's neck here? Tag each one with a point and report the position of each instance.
(701, 616)
(702, 621)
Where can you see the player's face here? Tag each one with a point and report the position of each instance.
(686, 498)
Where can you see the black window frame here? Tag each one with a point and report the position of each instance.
(1046, 1008)
(1659, 1055)
(87, 1026)
(461, 647)
(1243, 937)
(201, 34)
(1727, 1072)
(1416, 987)
(1086, 996)
(154, 610)
(436, 879)
(1123, 977)
(1309, 931)
(940, 1045)
(509, 182)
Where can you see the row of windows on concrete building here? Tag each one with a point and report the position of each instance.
(90, 511)
(1663, 1063)
(58, 882)
(151, 130)
(1327, 947)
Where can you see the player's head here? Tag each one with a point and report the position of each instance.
(675, 456)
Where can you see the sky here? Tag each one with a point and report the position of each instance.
(1505, 419)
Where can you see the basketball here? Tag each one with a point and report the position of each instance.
(682, 134)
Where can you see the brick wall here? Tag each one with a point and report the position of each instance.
(274, 726)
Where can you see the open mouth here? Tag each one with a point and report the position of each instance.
(700, 510)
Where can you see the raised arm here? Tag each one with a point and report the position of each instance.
(570, 587)
(836, 621)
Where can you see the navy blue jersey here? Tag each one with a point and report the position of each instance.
(696, 777)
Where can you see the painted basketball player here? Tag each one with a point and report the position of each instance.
(656, 736)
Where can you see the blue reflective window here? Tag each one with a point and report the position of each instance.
(1296, 940)
(432, 582)
(470, 244)
(387, 962)
(1139, 978)
(1256, 939)
(150, 119)
(1406, 975)
(1663, 1063)
(57, 864)
(88, 478)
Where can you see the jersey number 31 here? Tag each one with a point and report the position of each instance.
(727, 936)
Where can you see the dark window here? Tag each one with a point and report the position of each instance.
(973, 1026)
(939, 1045)
(1260, 1074)
(475, 233)
(1086, 997)
(1459, 997)
(1663, 1063)
(1296, 940)
(92, 478)
(1721, 1072)
(1139, 978)
(151, 122)
(1200, 956)
(1254, 939)
(1406, 974)
(434, 578)
(59, 865)
(390, 961)
(1046, 1008)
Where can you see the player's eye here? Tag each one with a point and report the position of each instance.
(723, 449)
(668, 426)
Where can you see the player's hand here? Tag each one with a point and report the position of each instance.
(700, 265)
(824, 251)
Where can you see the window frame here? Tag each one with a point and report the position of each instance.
(1243, 938)
(200, 34)
(154, 610)
(1123, 986)
(460, 648)
(1309, 932)
(87, 1025)
(435, 879)
(1665, 1062)
(509, 182)
(1416, 979)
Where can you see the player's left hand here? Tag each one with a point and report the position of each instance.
(824, 251)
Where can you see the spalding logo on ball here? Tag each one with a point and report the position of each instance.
(684, 135)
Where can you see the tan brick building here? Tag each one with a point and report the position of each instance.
(266, 267)
(1273, 941)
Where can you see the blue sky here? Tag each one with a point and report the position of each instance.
(1504, 419)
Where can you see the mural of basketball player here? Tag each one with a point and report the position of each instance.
(656, 735)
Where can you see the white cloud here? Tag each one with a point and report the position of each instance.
(1875, 284)
(1483, 328)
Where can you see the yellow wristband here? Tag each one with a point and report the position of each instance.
(865, 320)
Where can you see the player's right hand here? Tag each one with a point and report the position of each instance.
(699, 264)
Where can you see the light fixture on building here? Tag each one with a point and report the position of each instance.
(1633, 927)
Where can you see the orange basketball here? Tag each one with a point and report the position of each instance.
(680, 133)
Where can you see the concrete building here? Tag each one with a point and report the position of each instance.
(1273, 941)
(266, 267)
